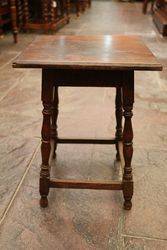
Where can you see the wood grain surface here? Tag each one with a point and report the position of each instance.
(88, 52)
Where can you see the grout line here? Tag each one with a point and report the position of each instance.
(19, 185)
(143, 237)
(4, 65)
(162, 85)
(120, 229)
(12, 87)
(7, 92)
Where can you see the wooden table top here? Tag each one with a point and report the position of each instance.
(117, 52)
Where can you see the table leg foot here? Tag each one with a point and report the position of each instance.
(44, 201)
(127, 193)
(127, 205)
(44, 185)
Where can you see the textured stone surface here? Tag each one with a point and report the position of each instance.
(144, 244)
(84, 219)
(148, 216)
(80, 219)
(15, 155)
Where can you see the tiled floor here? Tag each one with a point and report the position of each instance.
(84, 219)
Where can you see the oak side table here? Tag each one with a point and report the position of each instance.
(88, 61)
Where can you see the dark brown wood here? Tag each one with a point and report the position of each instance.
(25, 12)
(68, 5)
(88, 52)
(77, 5)
(122, 162)
(160, 20)
(145, 5)
(19, 11)
(8, 15)
(54, 133)
(128, 100)
(75, 184)
(88, 61)
(86, 78)
(4, 12)
(47, 93)
(14, 20)
(118, 115)
(83, 4)
(89, 2)
(159, 11)
(45, 6)
(86, 141)
(52, 13)
(49, 14)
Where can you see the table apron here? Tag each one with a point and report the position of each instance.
(86, 78)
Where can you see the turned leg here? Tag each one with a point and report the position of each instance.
(82, 3)
(52, 12)
(78, 7)
(145, 4)
(55, 111)
(68, 6)
(118, 115)
(45, 16)
(14, 20)
(128, 100)
(46, 131)
(45, 11)
(26, 11)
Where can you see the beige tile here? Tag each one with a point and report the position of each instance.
(15, 155)
(144, 244)
(148, 215)
(79, 219)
